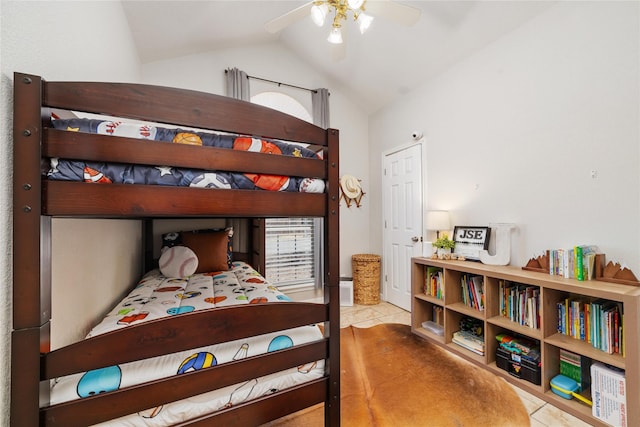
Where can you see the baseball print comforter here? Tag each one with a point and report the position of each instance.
(157, 296)
(99, 172)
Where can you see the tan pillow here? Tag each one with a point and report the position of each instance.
(210, 248)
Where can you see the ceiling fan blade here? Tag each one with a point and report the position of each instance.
(279, 23)
(396, 12)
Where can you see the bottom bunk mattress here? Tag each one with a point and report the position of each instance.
(158, 296)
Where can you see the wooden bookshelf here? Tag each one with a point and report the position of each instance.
(552, 289)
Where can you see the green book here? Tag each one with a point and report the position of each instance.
(584, 255)
(576, 367)
(579, 273)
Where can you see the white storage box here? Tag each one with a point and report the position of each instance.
(433, 327)
(609, 394)
(346, 292)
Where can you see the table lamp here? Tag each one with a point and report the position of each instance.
(437, 221)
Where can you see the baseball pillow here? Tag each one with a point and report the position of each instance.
(178, 262)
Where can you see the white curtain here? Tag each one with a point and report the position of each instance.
(320, 106)
(237, 84)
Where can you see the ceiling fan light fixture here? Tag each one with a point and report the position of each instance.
(319, 13)
(364, 22)
(355, 4)
(335, 36)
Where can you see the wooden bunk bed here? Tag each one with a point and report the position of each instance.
(37, 200)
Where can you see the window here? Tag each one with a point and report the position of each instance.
(292, 252)
(293, 246)
(281, 102)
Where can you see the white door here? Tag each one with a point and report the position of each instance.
(402, 221)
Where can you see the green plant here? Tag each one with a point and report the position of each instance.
(444, 242)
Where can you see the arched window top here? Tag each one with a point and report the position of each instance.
(282, 102)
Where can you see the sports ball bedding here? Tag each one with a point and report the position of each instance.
(157, 296)
(99, 172)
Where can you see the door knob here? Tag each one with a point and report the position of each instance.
(416, 239)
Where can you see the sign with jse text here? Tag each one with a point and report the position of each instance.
(470, 241)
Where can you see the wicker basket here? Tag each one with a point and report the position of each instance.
(366, 279)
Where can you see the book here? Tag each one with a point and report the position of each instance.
(559, 267)
(597, 322)
(469, 341)
(570, 264)
(577, 262)
(472, 291)
(520, 303)
(576, 367)
(609, 393)
(434, 282)
(579, 272)
(584, 256)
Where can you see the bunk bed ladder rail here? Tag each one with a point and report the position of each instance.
(332, 279)
(31, 241)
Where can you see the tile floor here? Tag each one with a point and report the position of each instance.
(542, 414)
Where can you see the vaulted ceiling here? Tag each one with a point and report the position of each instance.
(378, 66)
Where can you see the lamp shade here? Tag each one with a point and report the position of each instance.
(335, 36)
(319, 13)
(364, 22)
(438, 220)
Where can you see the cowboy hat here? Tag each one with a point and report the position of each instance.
(350, 186)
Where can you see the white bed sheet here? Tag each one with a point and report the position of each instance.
(157, 296)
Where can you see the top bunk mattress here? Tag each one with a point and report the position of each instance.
(108, 173)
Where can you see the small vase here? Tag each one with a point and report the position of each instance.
(444, 251)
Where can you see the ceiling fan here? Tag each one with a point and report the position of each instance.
(319, 10)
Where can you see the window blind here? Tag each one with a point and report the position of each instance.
(292, 252)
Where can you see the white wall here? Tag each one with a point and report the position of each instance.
(88, 257)
(205, 72)
(60, 41)
(514, 131)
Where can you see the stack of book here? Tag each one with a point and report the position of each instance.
(472, 291)
(599, 323)
(469, 341)
(433, 282)
(470, 335)
(577, 262)
(576, 367)
(520, 303)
